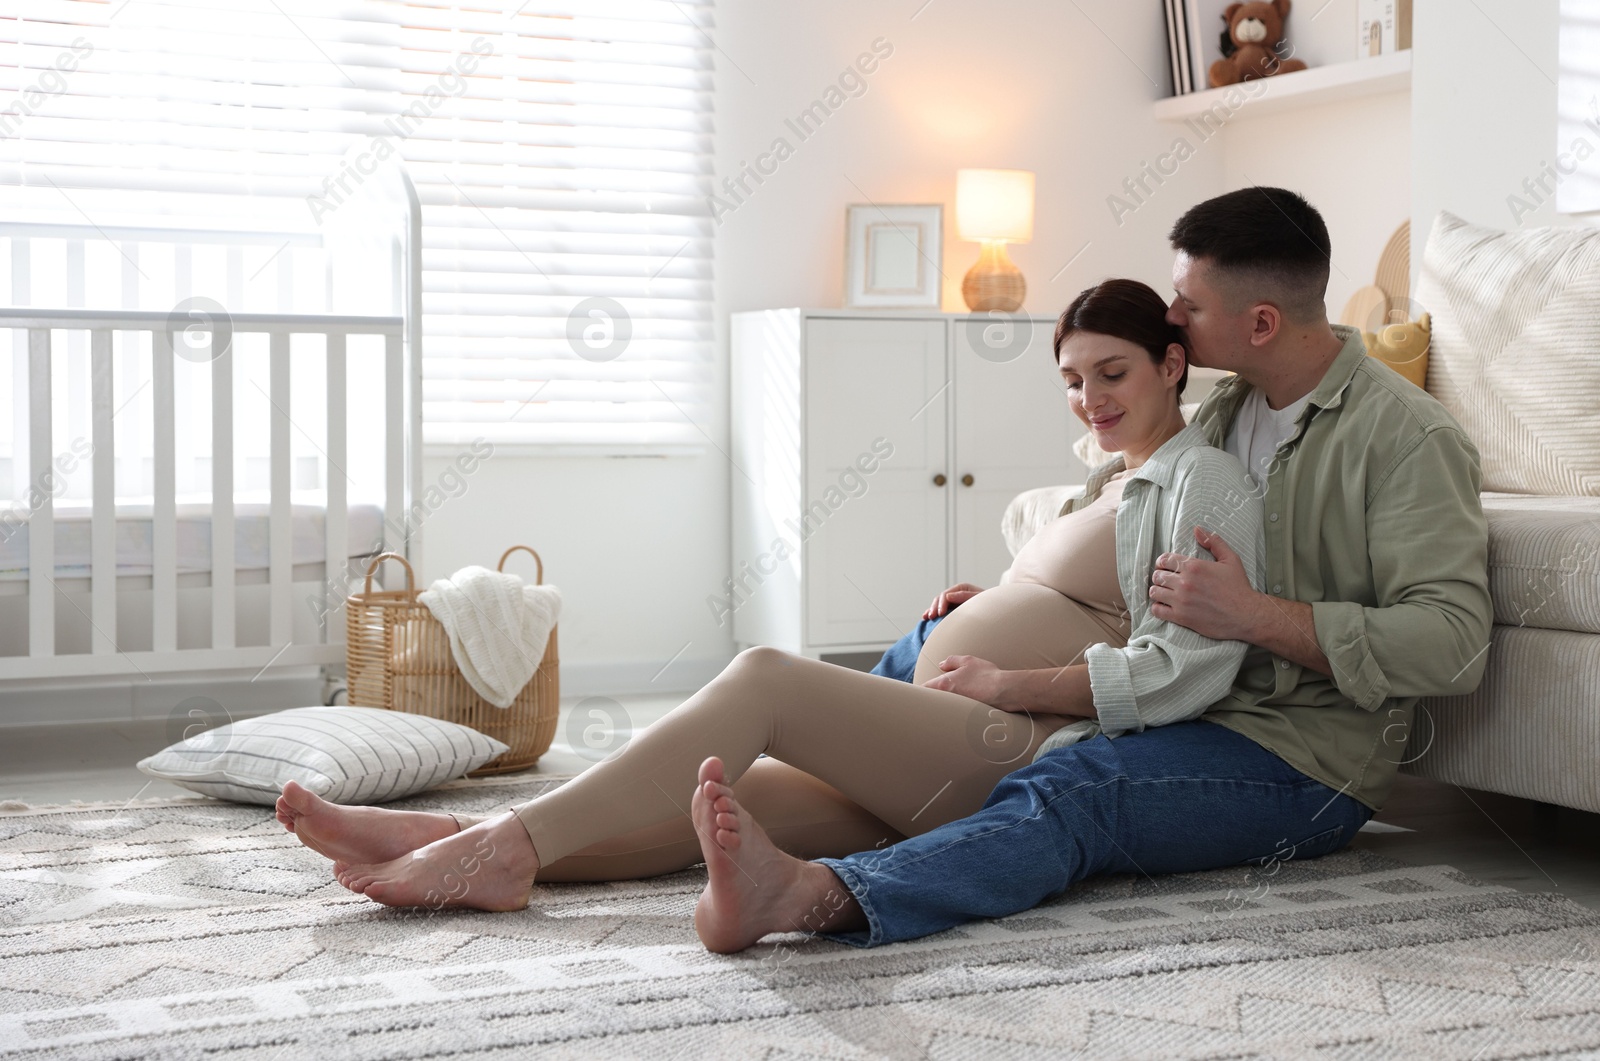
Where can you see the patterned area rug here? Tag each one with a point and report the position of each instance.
(194, 929)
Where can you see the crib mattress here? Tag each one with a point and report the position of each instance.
(135, 530)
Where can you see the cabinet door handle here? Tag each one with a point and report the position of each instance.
(938, 480)
(966, 480)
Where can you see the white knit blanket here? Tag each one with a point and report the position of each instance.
(498, 628)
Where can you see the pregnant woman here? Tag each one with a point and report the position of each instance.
(1063, 647)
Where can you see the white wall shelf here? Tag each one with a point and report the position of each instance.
(1303, 88)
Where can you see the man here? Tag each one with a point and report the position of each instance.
(1377, 595)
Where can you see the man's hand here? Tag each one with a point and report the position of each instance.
(961, 591)
(977, 678)
(1213, 598)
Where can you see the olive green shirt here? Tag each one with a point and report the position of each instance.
(1372, 516)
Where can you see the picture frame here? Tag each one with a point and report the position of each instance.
(893, 255)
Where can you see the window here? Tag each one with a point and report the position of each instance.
(561, 152)
(1577, 186)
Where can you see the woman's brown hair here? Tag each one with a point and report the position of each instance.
(1123, 309)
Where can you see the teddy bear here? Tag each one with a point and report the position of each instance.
(1250, 41)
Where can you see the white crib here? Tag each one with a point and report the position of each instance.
(177, 559)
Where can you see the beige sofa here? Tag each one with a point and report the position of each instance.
(1515, 357)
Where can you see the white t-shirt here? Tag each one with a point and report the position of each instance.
(1259, 430)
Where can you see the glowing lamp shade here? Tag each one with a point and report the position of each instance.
(994, 207)
(994, 204)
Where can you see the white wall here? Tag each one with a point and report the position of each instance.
(635, 544)
(1032, 85)
(1483, 112)
(1350, 159)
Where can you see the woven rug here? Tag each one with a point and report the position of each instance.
(195, 929)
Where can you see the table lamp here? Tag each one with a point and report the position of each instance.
(994, 207)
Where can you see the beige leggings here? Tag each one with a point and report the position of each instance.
(855, 760)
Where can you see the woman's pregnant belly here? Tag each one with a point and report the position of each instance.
(1018, 626)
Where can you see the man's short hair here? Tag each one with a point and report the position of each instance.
(1264, 245)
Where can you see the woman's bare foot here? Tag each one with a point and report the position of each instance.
(487, 867)
(755, 888)
(357, 834)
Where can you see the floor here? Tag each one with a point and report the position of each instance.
(1513, 842)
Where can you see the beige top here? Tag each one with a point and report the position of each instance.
(1076, 555)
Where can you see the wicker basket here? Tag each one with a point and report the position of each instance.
(398, 657)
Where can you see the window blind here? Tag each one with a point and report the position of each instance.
(561, 151)
(567, 239)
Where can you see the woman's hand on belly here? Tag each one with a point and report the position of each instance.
(976, 678)
(1049, 690)
(956, 594)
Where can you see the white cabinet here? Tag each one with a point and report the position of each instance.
(873, 455)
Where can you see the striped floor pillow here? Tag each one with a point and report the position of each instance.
(344, 754)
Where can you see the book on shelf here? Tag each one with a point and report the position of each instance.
(1178, 47)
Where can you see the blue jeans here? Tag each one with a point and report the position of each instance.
(900, 662)
(1181, 798)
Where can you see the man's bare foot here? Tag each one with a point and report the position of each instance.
(487, 867)
(755, 888)
(357, 834)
